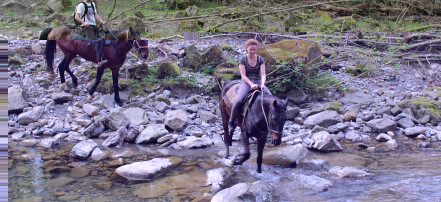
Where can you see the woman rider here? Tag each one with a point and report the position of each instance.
(252, 72)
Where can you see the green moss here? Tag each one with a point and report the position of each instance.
(335, 106)
(422, 103)
(226, 47)
(164, 99)
(168, 69)
(361, 70)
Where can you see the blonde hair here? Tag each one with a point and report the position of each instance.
(250, 42)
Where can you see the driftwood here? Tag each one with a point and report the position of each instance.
(421, 44)
(414, 36)
(363, 9)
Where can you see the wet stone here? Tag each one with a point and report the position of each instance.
(423, 144)
(79, 172)
(61, 181)
(103, 185)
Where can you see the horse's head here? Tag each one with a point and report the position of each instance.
(140, 45)
(277, 121)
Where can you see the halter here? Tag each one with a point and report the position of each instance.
(136, 44)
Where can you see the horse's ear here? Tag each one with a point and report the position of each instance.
(275, 104)
(286, 101)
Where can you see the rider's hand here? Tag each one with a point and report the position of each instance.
(86, 24)
(254, 87)
(262, 87)
(103, 22)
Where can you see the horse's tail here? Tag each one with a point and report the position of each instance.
(51, 46)
(45, 33)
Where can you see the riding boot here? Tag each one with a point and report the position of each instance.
(99, 50)
(234, 111)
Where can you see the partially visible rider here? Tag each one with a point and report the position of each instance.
(86, 14)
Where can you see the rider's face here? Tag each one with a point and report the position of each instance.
(252, 49)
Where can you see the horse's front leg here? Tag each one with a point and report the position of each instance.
(260, 145)
(74, 78)
(227, 139)
(115, 74)
(61, 68)
(246, 146)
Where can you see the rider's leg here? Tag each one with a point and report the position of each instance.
(242, 92)
(89, 31)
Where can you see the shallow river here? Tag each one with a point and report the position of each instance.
(48, 175)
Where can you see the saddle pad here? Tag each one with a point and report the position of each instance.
(231, 95)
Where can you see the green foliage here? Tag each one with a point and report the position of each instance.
(207, 69)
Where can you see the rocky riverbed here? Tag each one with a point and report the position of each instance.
(384, 131)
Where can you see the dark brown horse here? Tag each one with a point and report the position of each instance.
(257, 123)
(65, 32)
(115, 54)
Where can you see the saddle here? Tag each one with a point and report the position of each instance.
(78, 34)
(231, 96)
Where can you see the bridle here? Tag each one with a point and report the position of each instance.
(266, 120)
(136, 44)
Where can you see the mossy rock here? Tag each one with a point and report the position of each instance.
(180, 14)
(168, 69)
(137, 89)
(193, 58)
(181, 4)
(14, 62)
(359, 69)
(285, 51)
(164, 99)
(251, 25)
(293, 21)
(192, 10)
(322, 16)
(226, 47)
(227, 71)
(213, 57)
(334, 106)
(189, 25)
(346, 23)
(22, 52)
(422, 106)
(234, 12)
(138, 71)
(133, 22)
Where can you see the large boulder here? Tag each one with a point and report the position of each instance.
(168, 68)
(218, 178)
(31, 116)
(176, 119)
(83, 149)
(323, 141)
(297, 96)
(138, 71)
(207, 116)
(382, 125)
(323, 119)
(422, 106)
(151, 133)
(256, 191)
(133, 22)
(414, 131)
(115, 119)
(16, 99)
(137, 116)
(213, 57)
(288, 156)
(59, 6)
(146, 170)
(192, 59)
(192, 10)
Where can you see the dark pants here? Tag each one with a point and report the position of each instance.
(241, 93)
(91, 32)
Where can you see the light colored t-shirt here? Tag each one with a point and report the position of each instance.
(90, 17)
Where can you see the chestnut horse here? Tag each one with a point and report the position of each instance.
(267, 114)
(65, 32)
(115, 54)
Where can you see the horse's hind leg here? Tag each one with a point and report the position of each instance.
(260, 145)
(115, 74)
(66, 65)
(246, 145)
(61, 69)
(227, 139)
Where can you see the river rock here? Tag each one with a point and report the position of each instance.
(382, 125)
(353, 136)
(292, 112)
(91, 110)
(413, 131)
(218, 178)
(297, 96)
(315, 183)
(391, 144)
(105, 102)
(133, 134)
(145, 170)
(136, 115)
(83, 149)
(256, 191)
(79, 172)
(115, 138)
(95, 129)
(347, 172)
(60, 182)
(62, 97)
(207, 116)
(288, 156)
(48, 142)
(103, 186)
(16, 99)
(192, 142)
(176, 119)
(151, 133)
(192, 100)
(194, 130)
(31, 116)
(98, 154)
(323, 141)
(406, 122)
(357, 98)
(324, 119)
(338, 127)
(383, 137)
(115, 119)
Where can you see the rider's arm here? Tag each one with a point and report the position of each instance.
(263, 73)
(243, 74)
(77, 18)
(97, 17)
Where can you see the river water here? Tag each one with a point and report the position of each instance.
(42, 174)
